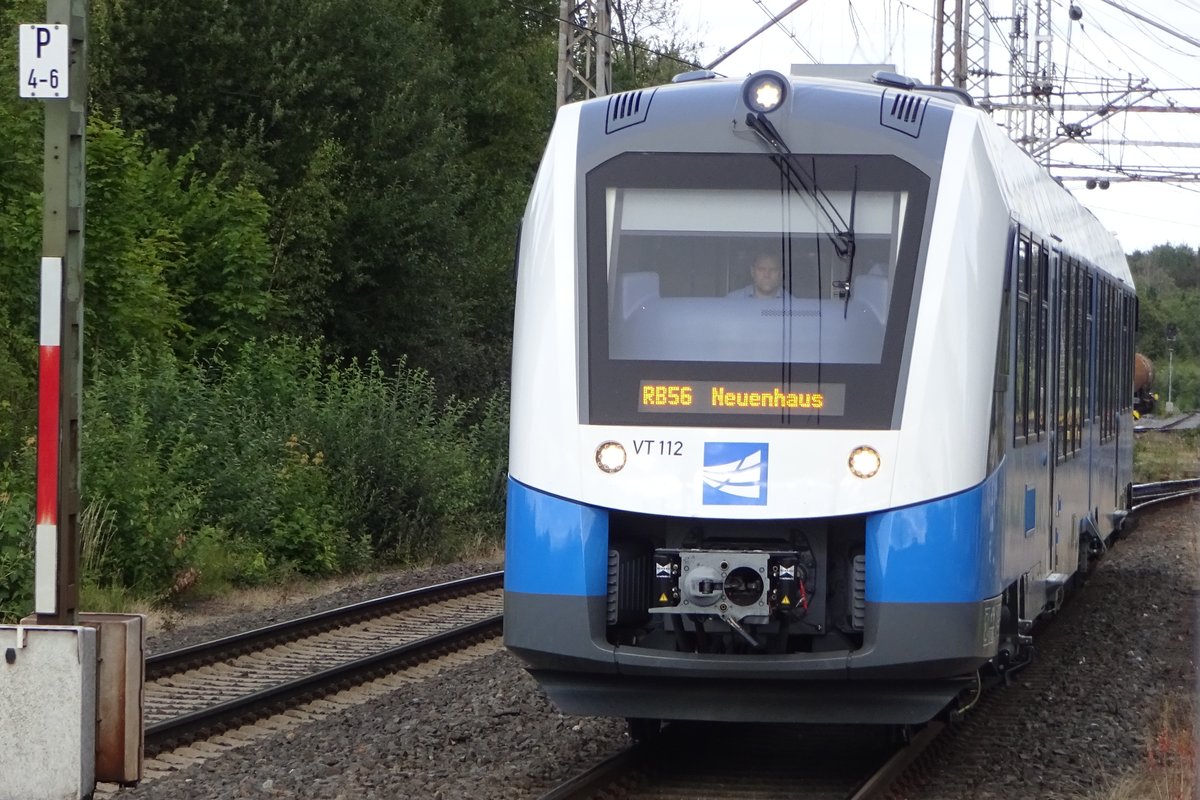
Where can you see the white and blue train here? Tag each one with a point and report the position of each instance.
(821, 397)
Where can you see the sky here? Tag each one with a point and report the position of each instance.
(1095, 60)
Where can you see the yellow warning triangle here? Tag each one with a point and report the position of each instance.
(663, 599)
(786, 602)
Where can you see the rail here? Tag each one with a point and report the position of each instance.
(1183, 422)
(751, 762)
(1145, 495)
(189, 727)
(198, 655)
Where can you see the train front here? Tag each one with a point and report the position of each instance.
(725, 502)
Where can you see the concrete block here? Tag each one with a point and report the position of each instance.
(120, 682)
(47, 712)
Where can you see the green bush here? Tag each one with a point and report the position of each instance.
(270, 461)
(16, 536)
(1183, 385)
(414, 471)
(259, 464)
(141, 458)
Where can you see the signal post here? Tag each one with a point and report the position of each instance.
(70, 683)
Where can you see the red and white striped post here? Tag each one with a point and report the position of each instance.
(49, 401)
(57, 578)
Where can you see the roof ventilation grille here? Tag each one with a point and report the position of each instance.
(903, 111)
(626, 109)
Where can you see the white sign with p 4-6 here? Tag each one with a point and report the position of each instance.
(45, 60)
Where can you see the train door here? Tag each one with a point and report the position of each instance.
(1114, 348)
(1071, 346)
(1091, 427)
(1053, 401)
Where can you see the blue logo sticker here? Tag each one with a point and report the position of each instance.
(735, 473)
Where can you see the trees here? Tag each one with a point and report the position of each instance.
(650, 47)
(392, 141)
(1168, 283)
(175, 259)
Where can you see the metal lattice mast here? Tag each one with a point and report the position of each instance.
(1032, 81)
(584, 50)
(978, 40)
(1029, 113)
(961, 48)
(949, 42)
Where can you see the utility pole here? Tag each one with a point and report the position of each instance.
(584, 50)
(1172, 332)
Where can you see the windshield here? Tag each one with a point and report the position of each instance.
(747, 276)
(709, 277)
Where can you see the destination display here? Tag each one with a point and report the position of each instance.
(741, 397)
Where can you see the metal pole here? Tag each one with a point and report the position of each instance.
(1170, 376)
(62, 240)
(565, 9)
(584, 50)
(960, 45)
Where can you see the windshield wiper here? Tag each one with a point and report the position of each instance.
(841, 234)
(850, 233)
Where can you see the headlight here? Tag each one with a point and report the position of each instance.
(610, 457)
(763, 92)
(864, 461)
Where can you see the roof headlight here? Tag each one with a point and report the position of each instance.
(763, 92)
(864, 461)
(610, 457)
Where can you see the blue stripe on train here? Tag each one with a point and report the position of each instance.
(554, 546)
(943, 551)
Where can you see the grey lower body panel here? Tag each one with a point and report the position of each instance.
(913, 660)
(839, 702)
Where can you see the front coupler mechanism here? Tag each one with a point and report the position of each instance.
(739, 587)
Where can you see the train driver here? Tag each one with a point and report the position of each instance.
(766, 279)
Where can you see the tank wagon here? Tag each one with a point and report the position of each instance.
(1144, 398)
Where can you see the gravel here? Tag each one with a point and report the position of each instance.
(1119, 658)
(1122, 650)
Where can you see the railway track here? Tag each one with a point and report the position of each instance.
(200, 691)
(752, 762)
(1145, 495)
(1183, 422)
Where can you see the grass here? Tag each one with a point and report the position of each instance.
(1168, 771)
(1166, 456)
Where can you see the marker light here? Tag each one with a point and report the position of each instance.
(763, 92)
(864, 461)
(610, 457)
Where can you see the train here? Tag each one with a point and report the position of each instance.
(820, 400)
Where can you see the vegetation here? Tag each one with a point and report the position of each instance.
(1168, 283)
(1166, 456)
(1169, 769)
(300, 222)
